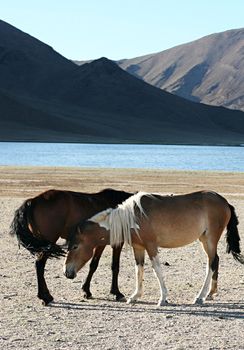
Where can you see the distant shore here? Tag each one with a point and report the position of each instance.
(126, 142)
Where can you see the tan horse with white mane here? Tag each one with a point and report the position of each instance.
(149, 221)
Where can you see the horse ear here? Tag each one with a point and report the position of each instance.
(80, 227)
(85, 226)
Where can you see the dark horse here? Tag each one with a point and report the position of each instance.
(42, 220)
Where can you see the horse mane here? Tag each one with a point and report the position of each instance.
(121, 220)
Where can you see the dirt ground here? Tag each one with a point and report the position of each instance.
(71, 322)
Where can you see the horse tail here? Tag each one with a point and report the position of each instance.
(233, 238)
(29, 240)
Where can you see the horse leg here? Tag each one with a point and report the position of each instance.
(43, 292)
(215, 268)
(139, 267)
(212, 270)
(92, 268)
(158, 273)
(115, 272)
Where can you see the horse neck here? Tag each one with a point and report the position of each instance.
(120, 224)
(103, 237)
(97, 234)
(113, 228)
(121, 220)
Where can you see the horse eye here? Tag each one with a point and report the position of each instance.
(74, 247)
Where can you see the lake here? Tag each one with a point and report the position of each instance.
(123, 156)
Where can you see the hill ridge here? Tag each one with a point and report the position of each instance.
(52, 99)
(208, 70)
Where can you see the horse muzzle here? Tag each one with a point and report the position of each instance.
(69, 273)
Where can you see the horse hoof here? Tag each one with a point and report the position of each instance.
(87, 295)
(199, 301)
(120, 297)
(131, 301)
(46, 299)
(163, 303)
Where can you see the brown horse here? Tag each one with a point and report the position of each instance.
(42, 220)
(148, 221)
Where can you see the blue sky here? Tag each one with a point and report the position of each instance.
(120, 29)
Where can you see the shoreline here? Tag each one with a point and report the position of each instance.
(127, 142)
(22, 181)
(74, 168)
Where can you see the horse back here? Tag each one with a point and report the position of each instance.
(56, 211)
(181, 219)
(201, 201)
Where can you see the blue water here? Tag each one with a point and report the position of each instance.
(123, 156)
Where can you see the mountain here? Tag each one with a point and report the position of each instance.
(46, 97)
(209, 70)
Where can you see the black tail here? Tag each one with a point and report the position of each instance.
(34, 244)
(233, 238)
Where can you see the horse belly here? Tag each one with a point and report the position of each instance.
(169, 240)
(173, 233)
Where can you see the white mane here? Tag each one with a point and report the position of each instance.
(121, 220)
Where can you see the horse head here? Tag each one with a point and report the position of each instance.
(82, 241)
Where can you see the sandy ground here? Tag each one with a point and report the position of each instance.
(72, 322)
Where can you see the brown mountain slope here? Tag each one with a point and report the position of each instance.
(45, 97)
(208, 70)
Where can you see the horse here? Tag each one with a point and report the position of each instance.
(40, 221)
(148, 221)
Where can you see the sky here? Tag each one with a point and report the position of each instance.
(90, 29)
